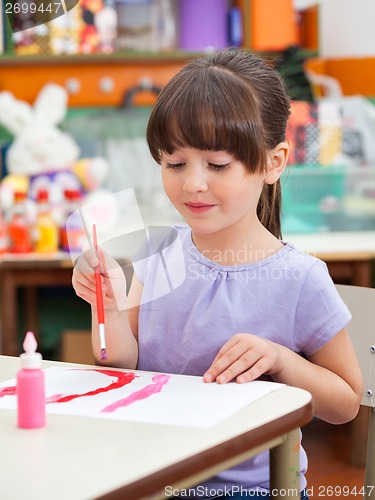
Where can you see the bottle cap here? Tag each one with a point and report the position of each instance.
(42, 195)
(72, 194)
(19, 196)
(30, 359)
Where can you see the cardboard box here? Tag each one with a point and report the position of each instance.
(76, 347)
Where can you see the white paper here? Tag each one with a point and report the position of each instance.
(142, 396)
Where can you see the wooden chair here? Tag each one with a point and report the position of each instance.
(361, 303)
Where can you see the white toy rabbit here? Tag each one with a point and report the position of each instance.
(41, 152)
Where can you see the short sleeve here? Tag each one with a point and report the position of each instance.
(155, 241)
(159, 264)
(320, 312)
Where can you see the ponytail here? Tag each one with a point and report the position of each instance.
(269, 208)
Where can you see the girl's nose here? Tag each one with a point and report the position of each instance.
(195, 181)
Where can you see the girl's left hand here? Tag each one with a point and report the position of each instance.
(245, 357)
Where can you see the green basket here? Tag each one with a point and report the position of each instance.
(309, 194)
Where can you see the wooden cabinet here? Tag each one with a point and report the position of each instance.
(354, 74)
(91, 80)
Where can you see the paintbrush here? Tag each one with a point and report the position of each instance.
(99, 298)
(98, 286)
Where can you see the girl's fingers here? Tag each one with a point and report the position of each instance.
(226, 347)
(83, 282)
(91, 258)
(87, 261)
(83, 279)
(244, 358)
(253, 373)
(244, 363)
(228, 359)
(112, 277)
(85, 292)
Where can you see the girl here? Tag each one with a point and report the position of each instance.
(251, 305)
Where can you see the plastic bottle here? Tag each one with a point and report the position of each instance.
(3, 234)
(72, 234)
(31, 402)
(19, 228)
(166, 38)
(46, 234)
(235, 27)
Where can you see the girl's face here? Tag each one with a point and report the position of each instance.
(211, 189)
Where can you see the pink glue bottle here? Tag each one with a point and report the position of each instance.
(31, 403)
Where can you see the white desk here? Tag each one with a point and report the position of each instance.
(349, 255)
(80, 458)
(336, 245)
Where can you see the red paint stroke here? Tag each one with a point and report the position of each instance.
(158, 382)
(7, 391)
(123, 378)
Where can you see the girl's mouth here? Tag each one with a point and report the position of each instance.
(198, 207)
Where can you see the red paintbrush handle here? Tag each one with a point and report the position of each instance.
(99, 296)
(98, 281)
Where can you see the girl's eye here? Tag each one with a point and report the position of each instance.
(215, 166)
(174, 165)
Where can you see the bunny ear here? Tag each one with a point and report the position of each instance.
(51, 104)
(14, 114)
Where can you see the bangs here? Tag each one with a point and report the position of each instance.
(208, 119)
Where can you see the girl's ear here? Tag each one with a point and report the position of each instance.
(277, 160)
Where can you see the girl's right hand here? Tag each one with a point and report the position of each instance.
(113, 280)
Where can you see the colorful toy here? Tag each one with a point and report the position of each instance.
(42, 156)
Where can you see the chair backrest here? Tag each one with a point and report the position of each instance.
(361, 329)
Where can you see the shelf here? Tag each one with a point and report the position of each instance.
(139, 58)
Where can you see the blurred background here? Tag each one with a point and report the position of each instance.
(77, 84)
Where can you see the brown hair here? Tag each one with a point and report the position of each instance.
(231, 100)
